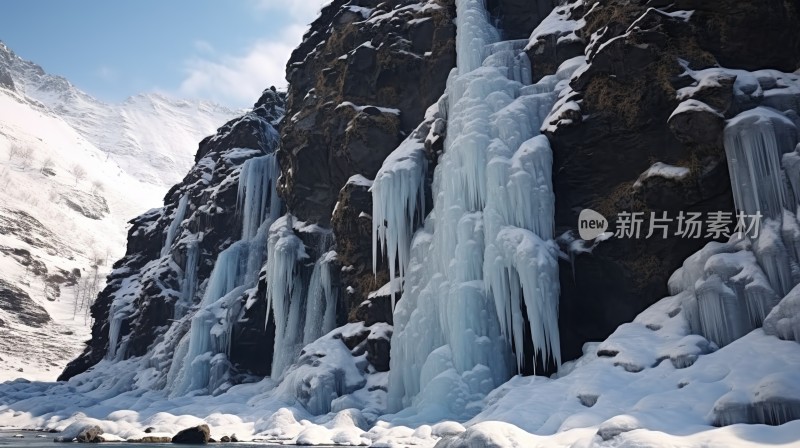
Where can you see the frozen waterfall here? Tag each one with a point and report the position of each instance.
(200, 361)
(486, 249)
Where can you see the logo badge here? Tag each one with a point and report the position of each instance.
(591, 224)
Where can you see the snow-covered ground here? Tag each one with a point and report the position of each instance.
(647, 385)
(73, 172)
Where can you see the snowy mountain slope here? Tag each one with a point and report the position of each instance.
(57, 220)
(150, 136)
(48, 225)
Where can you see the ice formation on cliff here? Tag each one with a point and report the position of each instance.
(737, 284)
(304, 307)
(200, 361)
(486, 249)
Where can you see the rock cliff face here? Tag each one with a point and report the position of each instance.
(360, 81)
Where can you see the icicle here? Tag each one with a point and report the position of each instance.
(120, 311)
(202, 362)
(285, 292)
(207, 333)
(721, 315)
(257, 198)
(180, 214)
(791, 166)
(755, 142)
(322, 299)
(398, 202)
(790, 233)
(189, 281)
(773, 256)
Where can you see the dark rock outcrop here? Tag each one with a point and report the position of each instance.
(359, 82)
(19, 304)
(750, 34)
(198, 435)
(352, 225)
(518, 18)
(6, 81)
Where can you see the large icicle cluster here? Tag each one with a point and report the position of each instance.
(257, 195)
(486, 249)
(303, 308)
(201, 361)
(399, 203)
(737, 284)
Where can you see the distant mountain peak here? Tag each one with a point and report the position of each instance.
(151, 135)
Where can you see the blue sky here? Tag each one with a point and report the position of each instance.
(226, 51)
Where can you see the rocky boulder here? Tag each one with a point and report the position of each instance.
(197, 435)
(93, 434)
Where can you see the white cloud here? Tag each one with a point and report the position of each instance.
(298, 9)
(239, 79)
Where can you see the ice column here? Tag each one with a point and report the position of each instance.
(486, 249)
(285, 291)
(189, 280)
(755, 142)
(303, 305)
(257, 199)
(398, 203)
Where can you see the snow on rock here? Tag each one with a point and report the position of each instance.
(660, 169)
(558, 23)
(784, 320)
